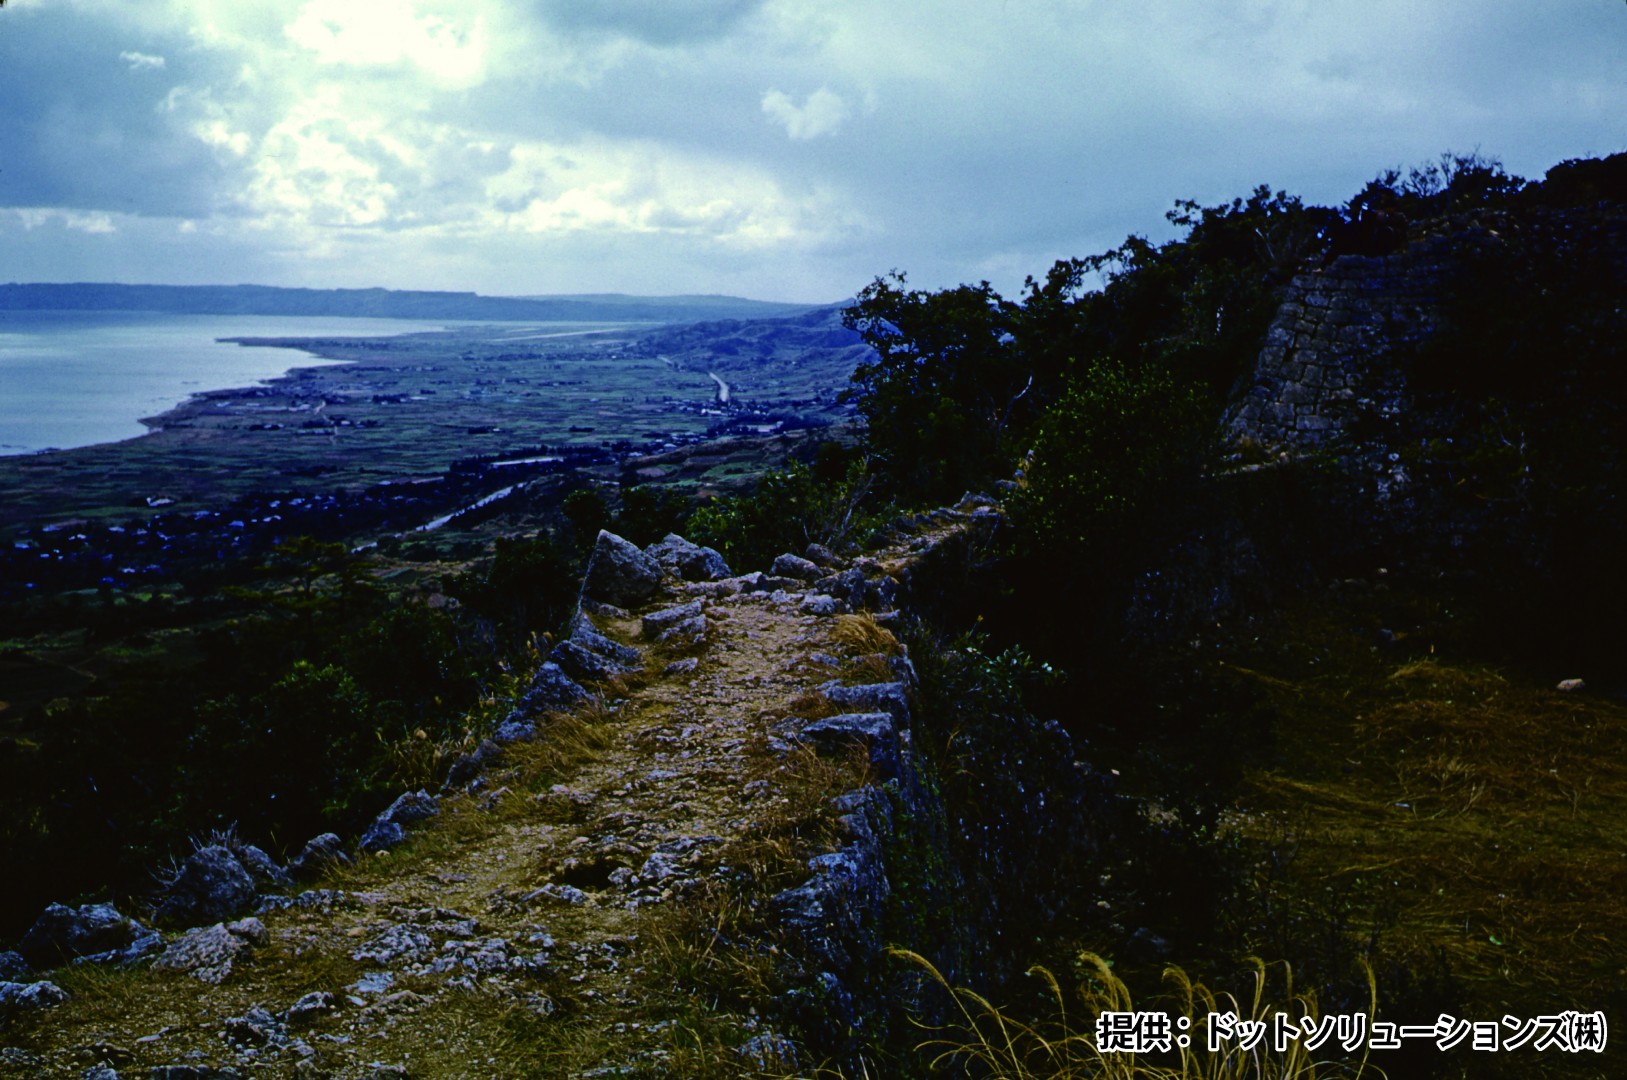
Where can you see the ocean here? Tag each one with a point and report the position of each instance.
(78, 378)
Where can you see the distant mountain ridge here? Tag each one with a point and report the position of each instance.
(381, 303)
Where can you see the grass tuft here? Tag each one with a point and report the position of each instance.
(863, 634)
(987, 1040)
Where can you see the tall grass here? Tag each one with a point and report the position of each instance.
(987, 1041)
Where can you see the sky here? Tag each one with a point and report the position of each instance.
(776, 149)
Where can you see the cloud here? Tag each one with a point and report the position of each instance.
(141, 61)
(36, 217)
(821, 114)
(654, 22)
(648, 188)
(529, 145)
(390, 33)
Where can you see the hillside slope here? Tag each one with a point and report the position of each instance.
(618, 896)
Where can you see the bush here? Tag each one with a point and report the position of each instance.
(790, 509)
(1110, 462)
(530, 587)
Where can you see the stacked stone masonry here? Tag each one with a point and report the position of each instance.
(1332, 353)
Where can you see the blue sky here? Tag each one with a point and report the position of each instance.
(778, 149)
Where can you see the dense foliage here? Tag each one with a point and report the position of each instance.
(1129, 537)
(826, 502)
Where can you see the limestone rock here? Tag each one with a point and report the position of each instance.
(886, 697)
(257, 1027)
(62, 933)
(658, 623)
(619, 573)
(263, 868)
(550, 690)
(206, 953)
(769, 1052)
(579, 663)
(874, 730)
(585, 634)
(389, 828)
(317, 853)
(823, 556)
(688, 561)
(796, 567)
(37, 995)
(251, 930)
(12, 967)
(394, 943)
(311, 1006)
(212, 885)
(472, 764)
(822, 605)
(847, 586)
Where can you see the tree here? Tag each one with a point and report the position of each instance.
(940, 394)
(1107, 463)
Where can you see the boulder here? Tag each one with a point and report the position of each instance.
(472, 764)
(550, 690)
(206, 953)
(796, 567)
(658, 623)
(688, 561)
(211, 885)
(13, 968)
(820, 604)
(317, 853)
(37, 995)
(886, 697)
(582, 663)
(389, 828)
(585, 634)
(875, 731)
(823, 556)
(263, 868)
(315, 1004)
(847, 586)
(618, 573)
(63, 933)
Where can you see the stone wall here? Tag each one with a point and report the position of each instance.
(1339, 349)
(1332, 355)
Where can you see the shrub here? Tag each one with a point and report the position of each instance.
(790, 509)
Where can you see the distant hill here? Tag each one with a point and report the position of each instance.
(382, 303)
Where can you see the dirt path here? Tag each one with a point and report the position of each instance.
(579, 914)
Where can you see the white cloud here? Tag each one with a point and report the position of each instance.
(142, 61)
(35, 217)
(821, 114)
(389, 33)
(711, 143)
(645, 188)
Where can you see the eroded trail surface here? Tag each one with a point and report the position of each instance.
(598, 903)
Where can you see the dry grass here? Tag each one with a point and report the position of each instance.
(717, 957)
(1461, 814)
(862, 634)
(989, 1041)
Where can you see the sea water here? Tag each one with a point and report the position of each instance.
(77, 378)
